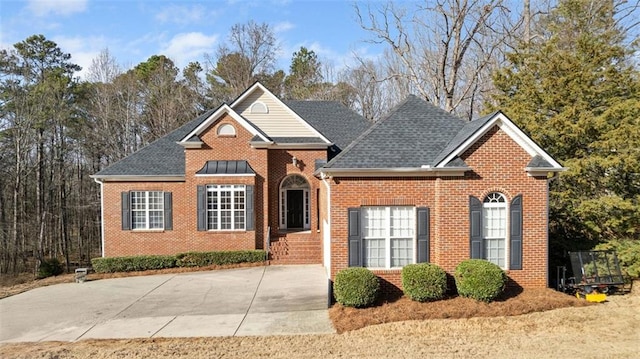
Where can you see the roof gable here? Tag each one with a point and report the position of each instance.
(417, 137)
(224, 109)
(474, 130)
(273, 117)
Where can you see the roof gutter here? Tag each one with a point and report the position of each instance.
(424, 171)
(291, 146)
(544, 171)
(137, 178)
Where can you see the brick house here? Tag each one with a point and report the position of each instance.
(313, 182)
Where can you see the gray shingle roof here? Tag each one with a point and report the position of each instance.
(163, 157)
(465, 132)
(412, 135)
(539, 162)
(336, 122)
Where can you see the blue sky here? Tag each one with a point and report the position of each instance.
(183, 30)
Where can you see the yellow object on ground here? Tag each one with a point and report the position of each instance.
(594, 297)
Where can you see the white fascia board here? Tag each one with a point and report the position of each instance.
(512, 131)
(291, 146)
(393, 172)
(191, 144)
(134, 178)
(543, 171)
(224, 109)
(258, 85)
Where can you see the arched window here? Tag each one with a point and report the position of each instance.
(494, 231)
(294, 203)
(259, 108)
(226, 130)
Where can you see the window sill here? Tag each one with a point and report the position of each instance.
(147, 230)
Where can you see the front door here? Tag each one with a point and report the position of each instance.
(295, 208)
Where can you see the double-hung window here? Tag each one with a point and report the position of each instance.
(494, 218)
(226, 207)
(496, 232)
(389, 236)
(147, 209)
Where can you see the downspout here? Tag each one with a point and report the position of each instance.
(101, 214)
(554, 176)
(324, 178)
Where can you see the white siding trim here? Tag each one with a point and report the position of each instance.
(506, 125)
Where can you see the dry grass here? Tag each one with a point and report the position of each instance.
(609, 330)
(512, 303)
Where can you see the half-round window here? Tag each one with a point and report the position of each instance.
(495, 197)
(259, 108)
(226, 130)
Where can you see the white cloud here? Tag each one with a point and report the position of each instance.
(181, 14)
(82, 49)
(56, 7)
(283, 27)
(190, 46)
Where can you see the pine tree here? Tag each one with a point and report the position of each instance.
(576, 91)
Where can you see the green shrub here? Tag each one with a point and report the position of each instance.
(628, 252)
(424, 282)
(479, 279)
(132, 264)
(202, 259)
(356, 287)
(50, 267)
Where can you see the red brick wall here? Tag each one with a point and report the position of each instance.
(270, 166)
(498, 164)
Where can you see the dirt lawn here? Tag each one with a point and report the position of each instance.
(609, 330)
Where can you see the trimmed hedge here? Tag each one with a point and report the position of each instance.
(356, 287)
(424, 282)
(190, 259)
(480, 279)
(132, 264)
(202, 259)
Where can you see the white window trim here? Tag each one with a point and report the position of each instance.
(255, 108)
(387, 238)
(504, 205)
(234, 189)
(146, 211)
(224, 127)
(306, 203)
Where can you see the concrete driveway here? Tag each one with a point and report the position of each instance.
(268, 300)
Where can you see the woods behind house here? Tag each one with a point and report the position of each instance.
(566, 72)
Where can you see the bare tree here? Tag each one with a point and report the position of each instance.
(369, 93)
(249, 52)
(442, 50)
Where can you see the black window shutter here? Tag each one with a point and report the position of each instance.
(168, 211)
(202, 208)
(515, 238)
(249, 207)
(475, 230)
(126, 211)
(355, 238)
(423, 234)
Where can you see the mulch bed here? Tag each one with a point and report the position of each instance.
(511, 303)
